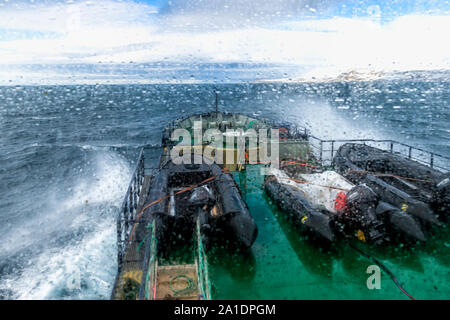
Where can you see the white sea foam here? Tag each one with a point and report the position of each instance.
(328, 122)
(84, 266)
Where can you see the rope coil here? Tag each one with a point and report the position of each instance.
(189, 287)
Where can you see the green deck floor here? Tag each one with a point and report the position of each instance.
(283, 264)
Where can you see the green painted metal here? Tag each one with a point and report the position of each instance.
(284, 264)
(202, 266)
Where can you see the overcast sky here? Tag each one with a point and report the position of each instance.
(345, 35)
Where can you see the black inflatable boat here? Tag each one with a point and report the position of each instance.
(408, 185)
(325, 204)
(299, 208)
(199, 190)
(373, 194)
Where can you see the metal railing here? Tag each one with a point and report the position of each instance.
(325, 150)
(296, 131)
(128, 211)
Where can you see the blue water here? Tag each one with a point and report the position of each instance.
(67, 153)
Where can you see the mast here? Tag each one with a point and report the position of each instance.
(217, 102)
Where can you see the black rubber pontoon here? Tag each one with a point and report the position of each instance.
(301, 211)
(417, 189)
(362, 214)
(224, 216)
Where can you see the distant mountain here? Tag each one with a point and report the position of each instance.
(352, 76)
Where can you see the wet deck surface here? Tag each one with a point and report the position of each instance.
(177, 282)
(283, 264)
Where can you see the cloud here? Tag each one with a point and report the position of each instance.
(62, 17)
(110, 31)
(216, 14)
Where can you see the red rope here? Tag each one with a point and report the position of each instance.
(300, 163)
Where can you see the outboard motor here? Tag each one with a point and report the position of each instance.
(374, 220)
(359, 215)
(202, 197)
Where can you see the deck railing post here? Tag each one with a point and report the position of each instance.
(131, 204)
(409, 152)
(332, 149)
(321, 152)
(142, 169)
(125, 216)
(135, 192)
(119, 244)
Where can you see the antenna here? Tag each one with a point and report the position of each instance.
(217, 102)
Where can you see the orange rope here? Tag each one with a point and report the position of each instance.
(284, 161)
(300, 163)
(388, 175)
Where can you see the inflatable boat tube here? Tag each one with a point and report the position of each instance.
(364, 157)
(400, 221)
(292, 200)
(159, 189)
(175, 217)
(356, 162)
(235, 218)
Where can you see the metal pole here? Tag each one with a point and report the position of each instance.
(321, 151)
(119, 244)
(217, 103)
(332, 149)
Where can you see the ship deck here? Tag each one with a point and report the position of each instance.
(284, 264)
